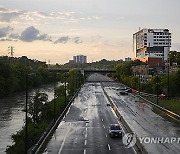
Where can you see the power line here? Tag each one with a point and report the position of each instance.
(11, 50)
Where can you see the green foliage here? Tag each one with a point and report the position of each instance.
(41, 113)
(75, 79)
(34, 133)
(123, 73)
(60, 91)
(174, 57)
(13, 75)
(36, 106)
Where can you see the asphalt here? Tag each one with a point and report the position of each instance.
(84, 129)
(145, 121)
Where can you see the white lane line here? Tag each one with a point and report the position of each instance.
(102, 119)
(84, 151)
(85, 142)
(106, 135)
(109, 147)
(104, 126)
(86, 129)
(64, 139)
(86, 135)
(86, 124)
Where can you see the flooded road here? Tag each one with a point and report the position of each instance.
(11, 114)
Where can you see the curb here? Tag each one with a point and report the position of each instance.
(140, 147)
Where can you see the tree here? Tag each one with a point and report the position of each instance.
(36, 106)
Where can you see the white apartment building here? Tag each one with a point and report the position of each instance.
(80, 59)
(152, 41)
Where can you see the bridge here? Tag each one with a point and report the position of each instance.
(83, 71)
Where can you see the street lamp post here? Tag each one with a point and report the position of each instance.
(168, 78)
(54, 97)
(139, 84)
(65, 87)
(157, 96)
(26, 110)
(26, 114)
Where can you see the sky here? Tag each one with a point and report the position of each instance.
(56, 30)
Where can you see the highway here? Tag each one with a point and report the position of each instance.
(84, 129)
(145, 121)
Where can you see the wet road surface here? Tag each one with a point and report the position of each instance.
(84, 129)
(144, 121)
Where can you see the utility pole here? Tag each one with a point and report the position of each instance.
(157, 96)
(11, 50)
(168, 65)
(139, 84)
(26, 116)
(65, 97)
(54, 97)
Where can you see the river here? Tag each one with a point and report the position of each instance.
(11, 115)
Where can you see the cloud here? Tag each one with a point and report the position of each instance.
(31, 34)
(77, 40)
(14, 36)
(5, 31)
(63, 39)
(16, 16)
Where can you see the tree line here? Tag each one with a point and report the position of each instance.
(13, 73)
(124, 75)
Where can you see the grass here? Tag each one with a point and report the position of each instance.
(172, 105)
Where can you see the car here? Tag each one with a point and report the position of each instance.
(128, 90)
(108, 104)
(115, 130)
(163, 96)
(123, 93)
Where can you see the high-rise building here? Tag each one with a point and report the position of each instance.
(80, 59)
(155, 42)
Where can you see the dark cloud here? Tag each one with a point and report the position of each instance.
(31, 34)
(77, 40)
(5, 31)
(14, 36)
(7, 17)
(63, 39)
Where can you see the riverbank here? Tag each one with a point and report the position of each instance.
(12, 115)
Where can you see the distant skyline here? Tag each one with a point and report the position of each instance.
(56, 30)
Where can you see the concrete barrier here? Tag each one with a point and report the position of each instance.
(139, 146)
(41, 144)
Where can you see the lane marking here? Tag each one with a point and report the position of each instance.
(86, 124)
(85, 135)
(106, 135)
(104, 126)
(86, 129)
(64, 139)
(84, 151)
(85, 142)
(102, 119)
(109, 147)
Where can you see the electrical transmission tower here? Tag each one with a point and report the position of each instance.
(11, 50)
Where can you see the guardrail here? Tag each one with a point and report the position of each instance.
(140, 147)
(39, 147)
(168, 112)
